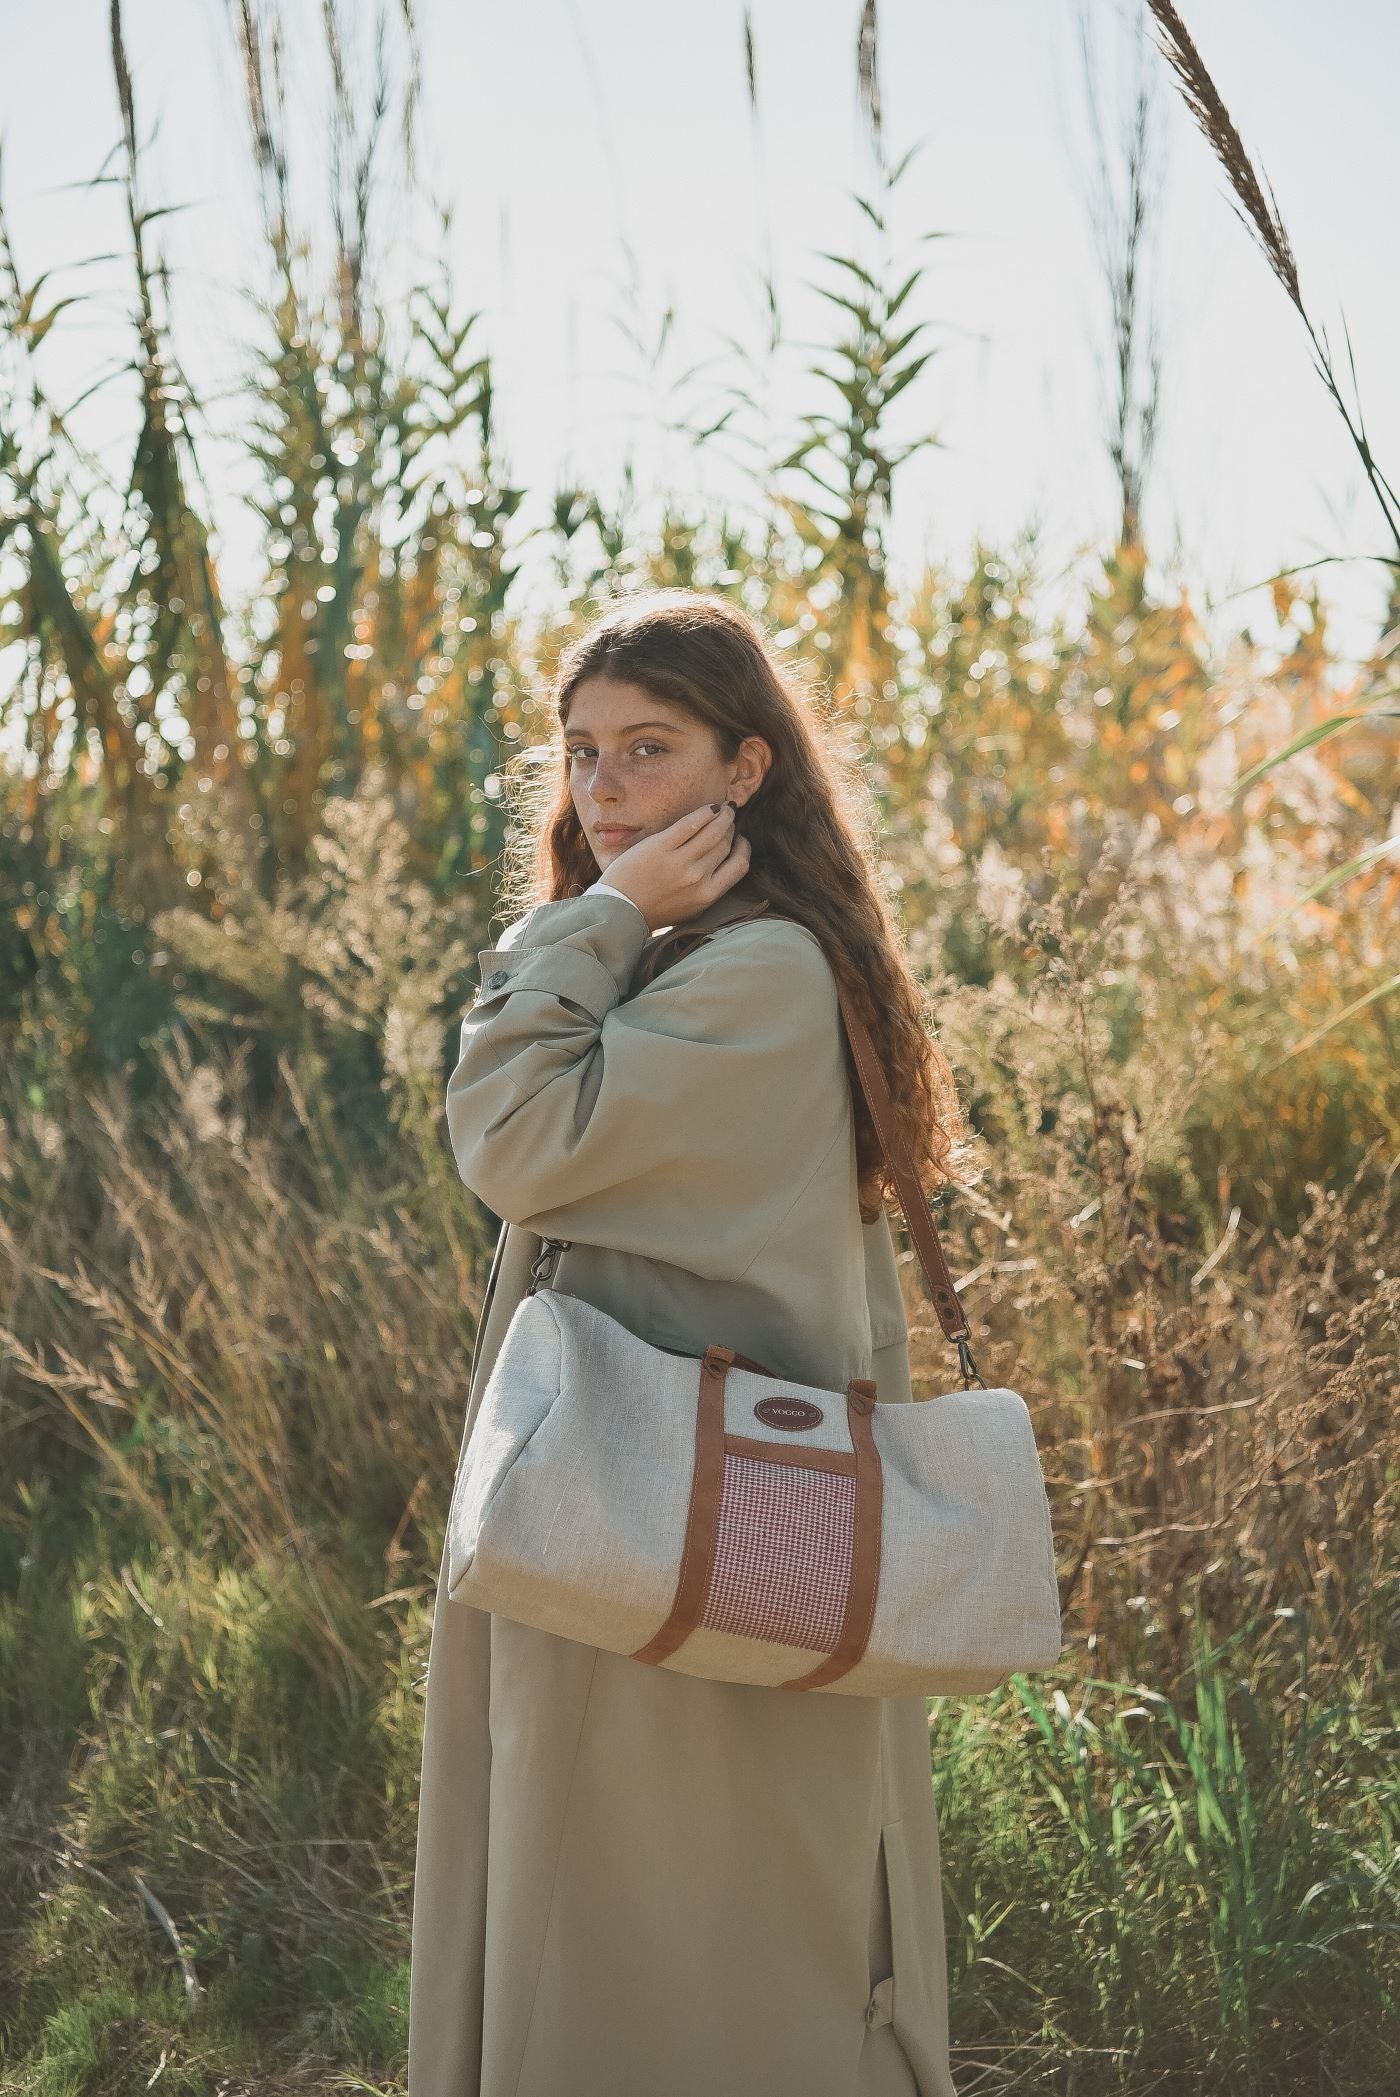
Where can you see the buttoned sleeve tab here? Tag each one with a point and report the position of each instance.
(560, 972)
(583, 948)
(681, 1122)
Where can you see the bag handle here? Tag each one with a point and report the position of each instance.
(923, 1231)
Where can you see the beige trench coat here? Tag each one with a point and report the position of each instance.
(634, 1883)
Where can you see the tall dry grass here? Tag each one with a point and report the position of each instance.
(235, 1343)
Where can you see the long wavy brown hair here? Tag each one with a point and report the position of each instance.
(812, 828)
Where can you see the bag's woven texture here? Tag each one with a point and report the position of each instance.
(572, 1511)
(782, 1563)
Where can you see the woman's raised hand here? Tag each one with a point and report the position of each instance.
(681, 870)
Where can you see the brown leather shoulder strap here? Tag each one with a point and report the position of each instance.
(923, 1231)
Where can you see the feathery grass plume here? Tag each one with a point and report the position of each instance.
(1262, 217)
(1204, 101)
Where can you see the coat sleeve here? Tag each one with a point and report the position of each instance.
(682, 1123)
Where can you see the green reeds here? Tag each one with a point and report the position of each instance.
(1196, 1889)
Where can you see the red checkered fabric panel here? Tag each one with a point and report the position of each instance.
(782, 1563)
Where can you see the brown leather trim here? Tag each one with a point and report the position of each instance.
(865, 1548)
(702, 1522)
(805, 1458)
(736, 1361)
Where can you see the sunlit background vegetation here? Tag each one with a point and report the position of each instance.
(249, 854)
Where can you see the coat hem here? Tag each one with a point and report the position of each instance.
(552, 1909)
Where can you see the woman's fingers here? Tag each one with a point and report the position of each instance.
(701, 820)
(732, 861)
(717, 849)
(702, 833)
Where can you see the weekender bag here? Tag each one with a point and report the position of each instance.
(706, 1514)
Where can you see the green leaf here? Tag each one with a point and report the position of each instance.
(1386, 847)
(911, 371)
(1338, 1019)
(1318, 733)
(901, 295)
(855, 268)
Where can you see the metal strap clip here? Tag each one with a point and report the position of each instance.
(969, 1366)
(545, 1258)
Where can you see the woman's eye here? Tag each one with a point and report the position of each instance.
(586, 749)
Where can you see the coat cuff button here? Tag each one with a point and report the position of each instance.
(880, 2008)
(496, 979)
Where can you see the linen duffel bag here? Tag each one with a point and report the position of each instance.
(706, 1514)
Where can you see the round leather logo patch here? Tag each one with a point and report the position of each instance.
(792, 1413)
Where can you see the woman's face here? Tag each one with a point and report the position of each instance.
(637, 763)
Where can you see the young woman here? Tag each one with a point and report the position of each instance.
(632, 1882)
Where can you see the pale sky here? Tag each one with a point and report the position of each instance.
(558, 129)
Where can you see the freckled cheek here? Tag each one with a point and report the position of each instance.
(668, 791)
(655, 793)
